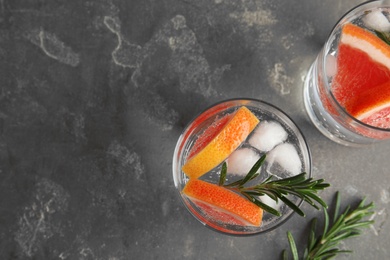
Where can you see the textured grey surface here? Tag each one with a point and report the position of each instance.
(94, 95)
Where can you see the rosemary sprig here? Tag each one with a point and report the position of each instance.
(298, 185)
(345, 225)
(384, 36)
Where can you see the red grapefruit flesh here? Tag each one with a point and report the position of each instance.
(372, 106)
(363, 75)
(208, 135)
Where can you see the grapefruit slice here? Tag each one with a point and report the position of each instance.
(208, 135)
(363, 62)
(372, 106)
(222, 144)
(222, 204)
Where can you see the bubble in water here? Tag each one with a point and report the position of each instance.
(286, 156)
(267, 135)
(241, 161)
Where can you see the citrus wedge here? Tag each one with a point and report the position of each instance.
(363, 62)
(372, 106)
(222, 204)
(223, 143)
(208, 135)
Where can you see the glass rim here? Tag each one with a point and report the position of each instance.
(302, 141)
(323, 69)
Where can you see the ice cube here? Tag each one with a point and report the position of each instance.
(331, 65)
(287, 157)
(241, 161)
(376, 20)
(267, 135)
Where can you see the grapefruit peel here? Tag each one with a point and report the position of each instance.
(367, 42)
(232, 134)
(373, 101)
(230, 207)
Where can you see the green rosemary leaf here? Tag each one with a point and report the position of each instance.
(292, 206)
(222, 177)
(284, 255)
(266, 181)
(316, 198)
(291, 180)
(266, 207)
(312, 236)
(345, 251)
(384, 36)
(331, 253)
(233, 184)
(322, 186)
(254, 176)
(273, 195)
(254, 193)
(293, 246)
(337, 207)
(253, 170)
(326, 220)
(361, 224)
(345, 235)
(361, 204)
(305, 253)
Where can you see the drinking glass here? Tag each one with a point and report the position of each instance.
(265, 113)
(325, 111)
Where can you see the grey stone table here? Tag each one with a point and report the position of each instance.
(95, 93)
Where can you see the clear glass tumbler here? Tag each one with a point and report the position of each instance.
(343, 88)
(277, 158)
